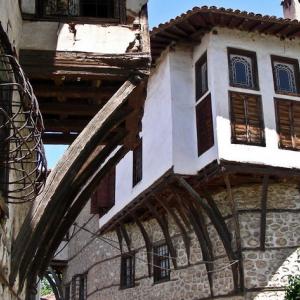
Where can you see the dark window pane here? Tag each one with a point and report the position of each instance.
(161, 263)
(201, 77)
(127, 271)
(137, 164)
(241, 73)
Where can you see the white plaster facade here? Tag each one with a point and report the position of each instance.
(169, 123)
(292, 11)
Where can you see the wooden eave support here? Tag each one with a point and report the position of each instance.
(162, 221)
(212, 211)
(126, 236)
(51, 205)
(171, 212)
(263, 219)
(147, 240)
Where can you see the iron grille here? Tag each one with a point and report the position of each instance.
(22, 159)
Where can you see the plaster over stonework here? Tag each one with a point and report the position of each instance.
(265, 272)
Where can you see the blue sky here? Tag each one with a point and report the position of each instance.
(161, 11)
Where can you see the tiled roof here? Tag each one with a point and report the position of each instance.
(194, 23)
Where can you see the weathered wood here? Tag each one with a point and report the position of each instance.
(148, 243)
(120, 239)
(237, 230)
(161, 220)
(185, 236)
(77, 206)
(126, 236)
(51, 64)
(263, 219)
(60, 180)
(145, 37)
(217, 220)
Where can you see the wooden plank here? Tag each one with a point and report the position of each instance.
(263, 219)
(120, 238)
(126, 236)
(161, 220)
(60, 181)
(185, 236)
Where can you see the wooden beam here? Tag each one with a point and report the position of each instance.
(46, 64)
(237, 230)
(60, 181)
(77, 206)
(52, 125)
(185, 236)
(161, 220)
(263, 219)
(59, 139)
(120, 238)
(148, 243)
(74, 92)
(126, 236)
(57, 108)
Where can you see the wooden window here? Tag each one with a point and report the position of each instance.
(79, 287)
(286, 75)
(243, 69)
(201, 77)
(161, 263)
(137, 164)
(205, 131)
(103, 199)
(247, 125)
(127, 270)
(288, 124)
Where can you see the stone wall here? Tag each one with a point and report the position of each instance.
(265, 272)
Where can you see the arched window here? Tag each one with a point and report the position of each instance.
(242, 69)
(285, 77)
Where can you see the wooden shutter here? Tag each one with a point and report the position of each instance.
(103, 198)
(247, 119)
(137, 164)
(205, 132)
(288, 124)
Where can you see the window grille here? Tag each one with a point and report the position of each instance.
(161, 262)
(243, 69)
(83, 8)
(286, 75)
(79, 287)
(247, 125)
(22, 158)
(288, 123)
(127, 271)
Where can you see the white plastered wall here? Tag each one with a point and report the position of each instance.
(157, 142)
(264, 46)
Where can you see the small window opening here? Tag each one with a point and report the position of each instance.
(127, 271)
(161, 262)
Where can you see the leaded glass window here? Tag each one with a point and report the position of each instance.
(285, 75)
(243, 69)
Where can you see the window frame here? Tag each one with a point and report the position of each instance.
(198, 77)
(250, 54)
(261, 118)
(157, 259)
(280, 146)
(123, 276)
(286, 60)
(137, 156)
(40, 16)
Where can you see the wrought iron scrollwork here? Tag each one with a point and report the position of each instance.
(23, 165)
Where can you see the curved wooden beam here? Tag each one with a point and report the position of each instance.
(45, 254)
(60, 182)
(126, 236)
(161, 220)
(185, 236)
